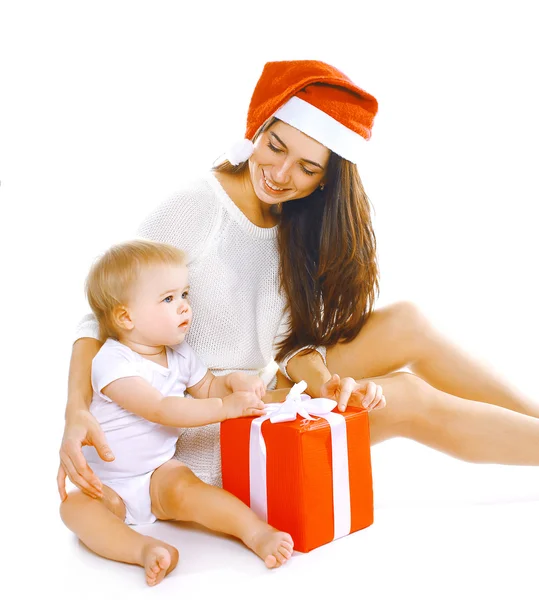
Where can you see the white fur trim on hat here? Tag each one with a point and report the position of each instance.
(240, 151)
(321, 127)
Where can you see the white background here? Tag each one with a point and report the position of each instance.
(106, 107)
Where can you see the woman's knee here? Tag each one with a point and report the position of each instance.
(410, 329)
(406, 317)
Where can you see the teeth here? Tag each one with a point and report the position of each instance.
(273, 187)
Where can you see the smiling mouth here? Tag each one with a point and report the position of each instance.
(272, 186)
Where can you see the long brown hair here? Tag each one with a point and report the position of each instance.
(328, 266)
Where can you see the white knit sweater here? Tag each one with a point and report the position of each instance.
(237, 307)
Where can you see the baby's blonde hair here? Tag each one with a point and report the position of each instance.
(112, 275)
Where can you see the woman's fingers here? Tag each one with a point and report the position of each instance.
(78, 471)
(99, 441)
(348, 385)
(331, 387)
(81, 466)
(86, 481)
(61, 482)
(78, 480)
(377, 396)
(369, 393)
(84, 430)
(380, 404)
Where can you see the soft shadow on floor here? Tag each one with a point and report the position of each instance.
(443, 529)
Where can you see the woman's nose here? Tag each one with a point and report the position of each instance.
(281, 172)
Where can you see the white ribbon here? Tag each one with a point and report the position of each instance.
(297, 403)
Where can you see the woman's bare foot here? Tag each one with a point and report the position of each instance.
(274, 547)
(159, 559)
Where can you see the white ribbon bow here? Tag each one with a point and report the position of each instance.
(297, 403)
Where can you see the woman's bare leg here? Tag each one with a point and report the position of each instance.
(99, 524)
(177, 494)
(472, 431)
(399, 336)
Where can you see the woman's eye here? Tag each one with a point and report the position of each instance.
(307, 172)
(185, 295)
(274, 148)
(168, 299)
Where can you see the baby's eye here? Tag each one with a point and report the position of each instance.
(185, 295)
(168, 299)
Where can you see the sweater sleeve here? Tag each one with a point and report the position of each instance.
(87, 327)
(186, 220)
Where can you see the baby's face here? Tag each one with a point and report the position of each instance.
(159, 306)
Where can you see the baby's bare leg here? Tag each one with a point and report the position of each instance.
(177, 494)
(99, 524)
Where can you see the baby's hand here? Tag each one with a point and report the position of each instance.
(241, 382)
(242, 404)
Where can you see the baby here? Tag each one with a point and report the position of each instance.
(138, 292)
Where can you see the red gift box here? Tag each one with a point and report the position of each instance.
(303, 491)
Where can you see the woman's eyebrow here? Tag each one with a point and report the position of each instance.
(303, 159)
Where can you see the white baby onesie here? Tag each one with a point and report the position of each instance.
(139, 446)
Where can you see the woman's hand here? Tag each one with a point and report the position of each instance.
(81, 430)
(364, 393)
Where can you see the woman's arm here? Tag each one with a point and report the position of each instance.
(320, 382)
(309, 367)
(81, 428)
(79, 386)
(307, 363)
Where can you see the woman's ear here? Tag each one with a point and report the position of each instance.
(122, 318)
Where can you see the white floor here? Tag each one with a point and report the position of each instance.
(99, 128)
(443, 529)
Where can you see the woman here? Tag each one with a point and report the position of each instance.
(282, 263)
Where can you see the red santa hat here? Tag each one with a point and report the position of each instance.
(315, 98)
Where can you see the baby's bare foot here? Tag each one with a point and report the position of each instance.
(274, 547)
(159, 560)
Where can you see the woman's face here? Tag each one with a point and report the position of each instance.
(286, 164)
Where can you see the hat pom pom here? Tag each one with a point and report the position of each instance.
(240, 152)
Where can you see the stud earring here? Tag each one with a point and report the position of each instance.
(322, 185)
